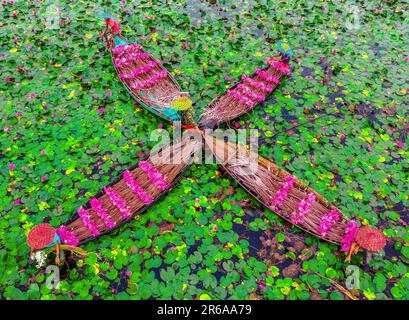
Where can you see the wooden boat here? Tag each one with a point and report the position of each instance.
(293, 200)
(148, 82)
(264, 180)
(246, 94)
(130, 194)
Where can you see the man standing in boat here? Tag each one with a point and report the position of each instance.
(112, 30)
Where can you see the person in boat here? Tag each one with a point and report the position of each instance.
(285, 52)
(112, 30)
(44, 236)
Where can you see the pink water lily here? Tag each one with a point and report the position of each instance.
(238, 96)
(97, 206)
(67, 237)
(155, 176)
(87, 221)
(118, 202)
(349, 236)
(304, 208)
(134, 185)
(282, 193)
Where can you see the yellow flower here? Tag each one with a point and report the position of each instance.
(285, 290)
(43, 205)
(96, 268)
(115, 252)
(71, 95)
(68, 171)
(181, 103)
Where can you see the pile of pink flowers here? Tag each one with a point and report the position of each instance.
(281, 67)
(138, 71)
(243, 99)
(267, 77)
(124, 61)
(304, 207)
(67, 237)
(96, 205)
(327, 220)
(118, 202)
(136, 188)
(256, 97)
(125, 49)
(150, 82)
(349, 236)
(282, 194)
(256, 84)
(87, 222)
(154, 175)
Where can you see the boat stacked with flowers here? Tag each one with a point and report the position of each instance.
(293, 200)
(247, 94)
(147, 80)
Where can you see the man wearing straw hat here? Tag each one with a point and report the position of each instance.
(44, 236)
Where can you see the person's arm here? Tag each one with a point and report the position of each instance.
(104, 32)
(57, 253)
